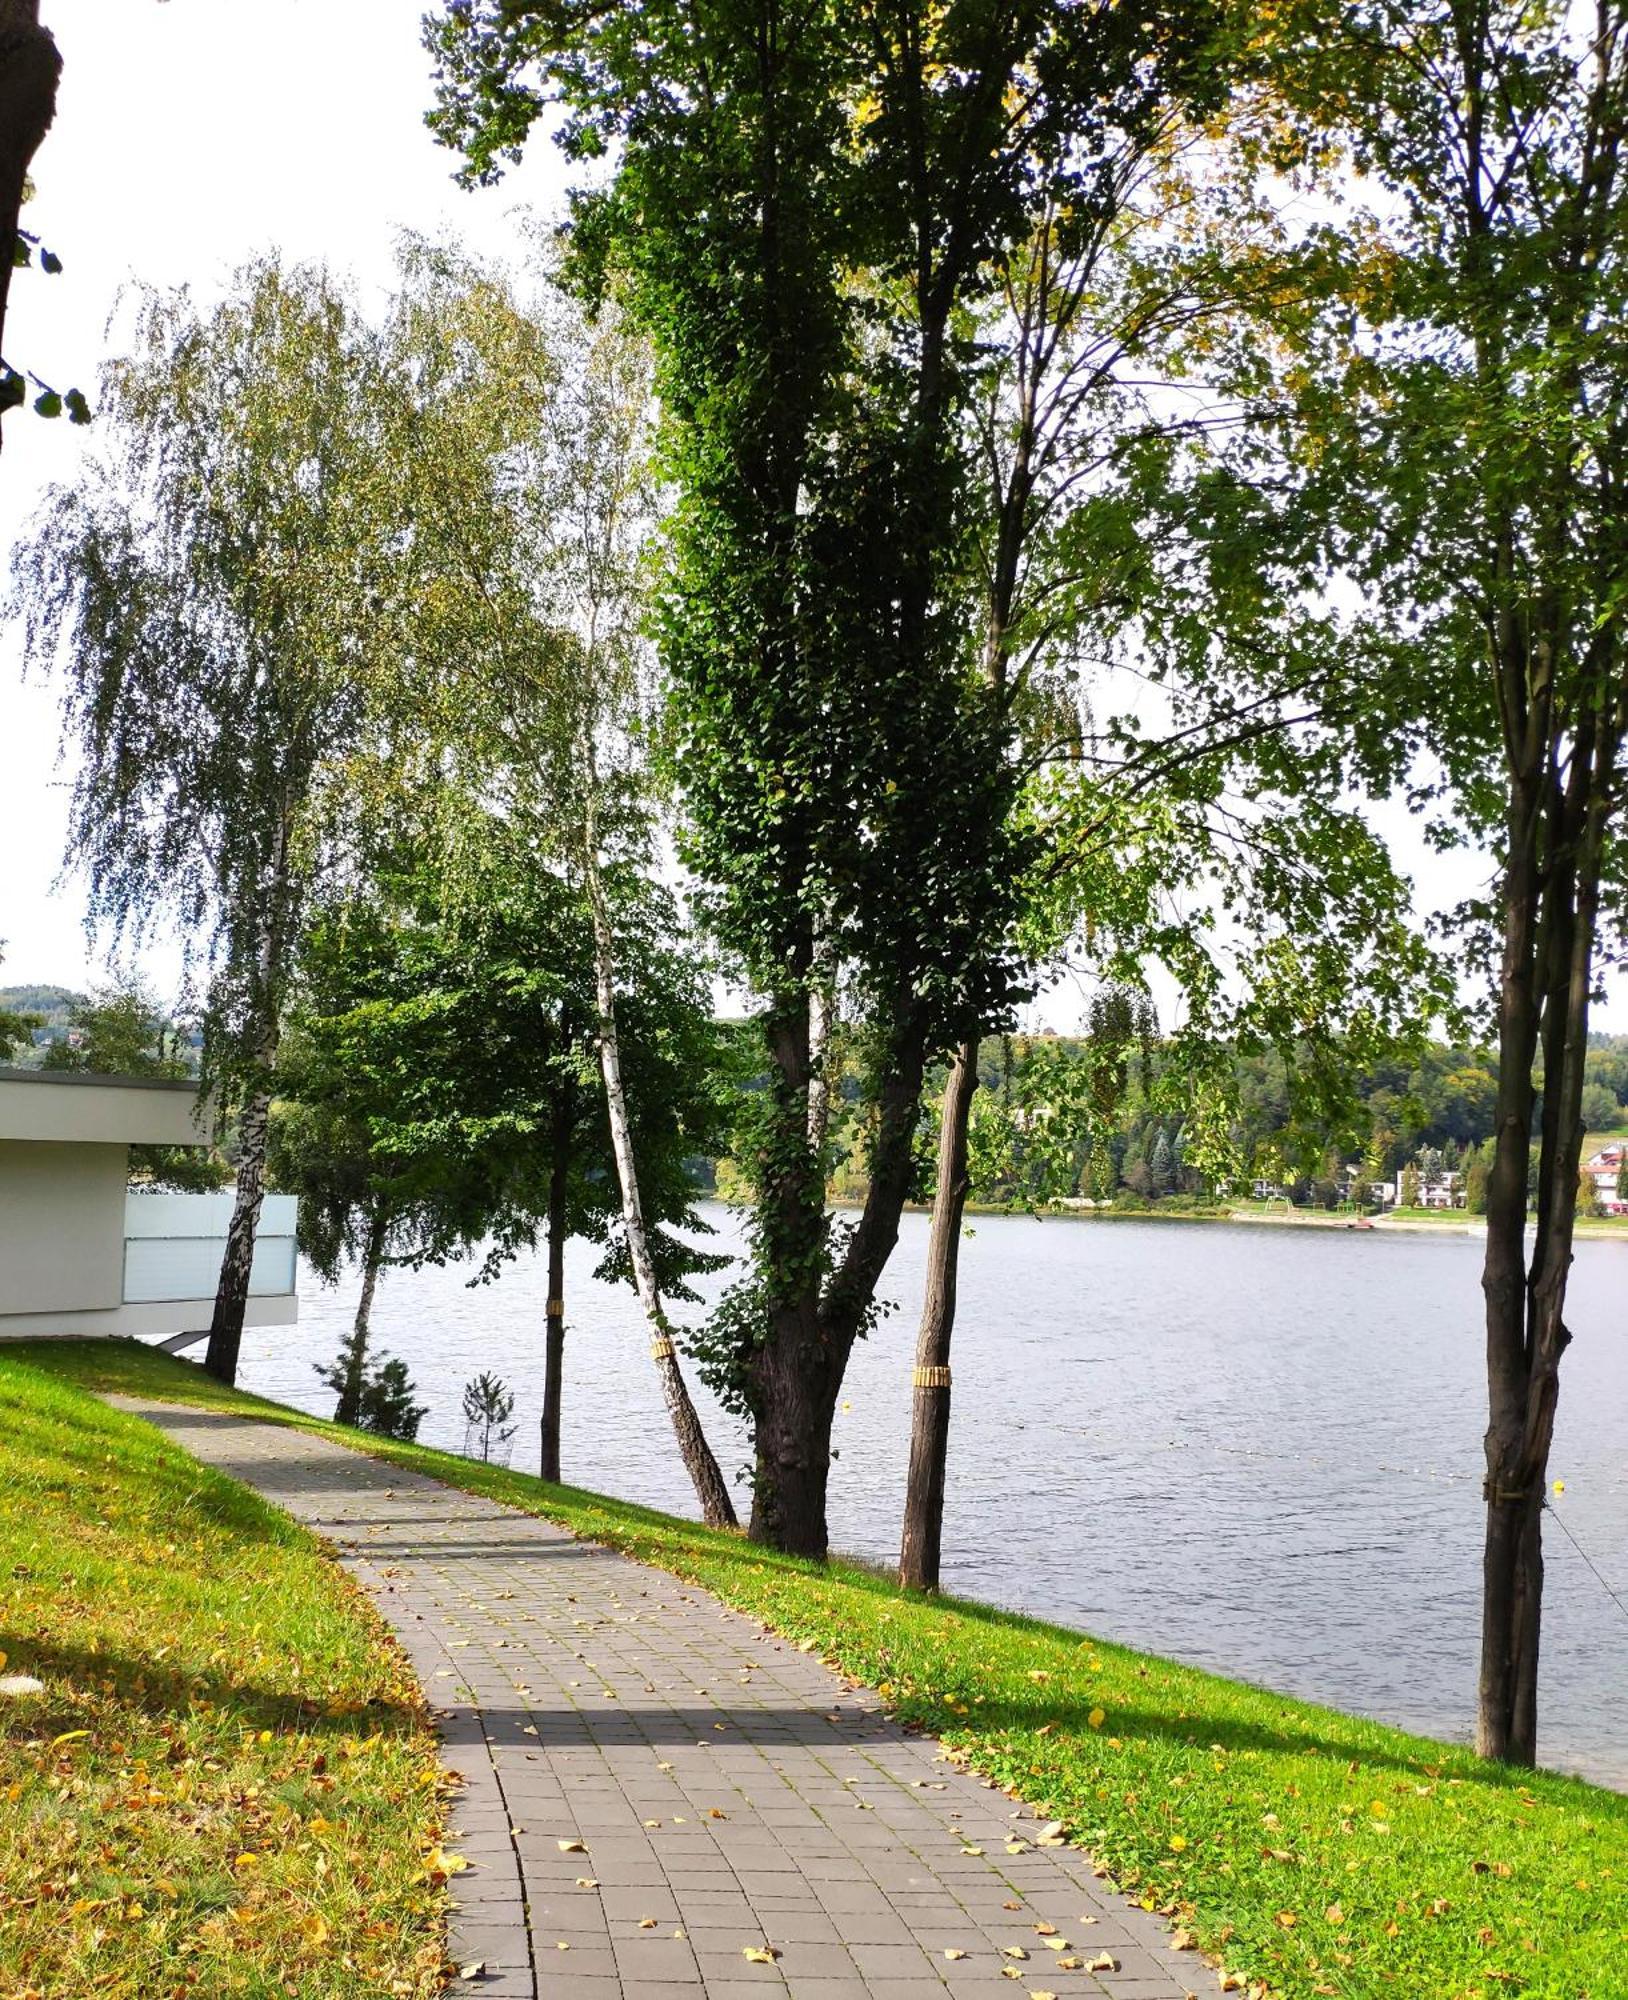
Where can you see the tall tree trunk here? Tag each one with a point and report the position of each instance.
(922, 1542)
(349, 1410)
(232, 1289)
(554, 1362)
(1548, 951)
(717, 1510)
(30, 65)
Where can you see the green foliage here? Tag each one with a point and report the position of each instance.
(488, 1404)
(16, 1028)
(387, 1407)
(443, 1044)
(121, 1031)
(215, 590)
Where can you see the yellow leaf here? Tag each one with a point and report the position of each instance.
(953, 1952)
(759, 1954)
(1013, 1951)
(972, 1850)
(1103, 1962)
(570, 1847)
(586, 1882)
(1096, 1718)
(68, 1736)
(647, 1923)
(442, 1863)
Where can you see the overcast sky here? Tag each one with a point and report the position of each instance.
(190, 135)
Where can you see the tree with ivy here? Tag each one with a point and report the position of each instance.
(805, 216)
(213, 590)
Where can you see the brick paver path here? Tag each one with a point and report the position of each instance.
(726, 1790)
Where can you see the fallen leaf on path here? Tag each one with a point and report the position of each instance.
(759, 1954)
(570, 1847)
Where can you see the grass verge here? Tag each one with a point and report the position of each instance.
(1313, 1851)
(229, 1784)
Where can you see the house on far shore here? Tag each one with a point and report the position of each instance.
(1608, 1169)
(81, 1252)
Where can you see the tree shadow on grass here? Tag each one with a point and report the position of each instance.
(164, 1693)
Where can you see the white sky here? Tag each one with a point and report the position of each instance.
(191, 134)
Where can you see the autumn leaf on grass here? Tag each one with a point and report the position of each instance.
(443, 1864)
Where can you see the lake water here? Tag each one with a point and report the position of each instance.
(1256, 1449)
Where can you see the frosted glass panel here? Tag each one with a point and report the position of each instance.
(173, 1245)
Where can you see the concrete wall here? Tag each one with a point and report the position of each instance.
(61, 1227)
(72, 1105)
(80, 1254)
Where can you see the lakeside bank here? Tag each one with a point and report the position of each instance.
(1306, 1848)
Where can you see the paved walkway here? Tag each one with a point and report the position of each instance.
(653, 1785)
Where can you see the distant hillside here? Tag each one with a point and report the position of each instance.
(53, 1004)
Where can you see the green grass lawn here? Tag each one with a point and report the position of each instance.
(229, 1784)
(1313, 1851)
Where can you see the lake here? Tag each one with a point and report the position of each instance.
(1256, 1449)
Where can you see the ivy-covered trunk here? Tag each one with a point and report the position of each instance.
(821, 1290)
(554, 1359)
(922, 1541)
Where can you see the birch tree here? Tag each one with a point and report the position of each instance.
(545, 561)
(209, 592)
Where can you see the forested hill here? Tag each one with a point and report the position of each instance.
(52, 1006)
(1039, 1124)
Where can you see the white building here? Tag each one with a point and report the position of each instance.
(83, 1253)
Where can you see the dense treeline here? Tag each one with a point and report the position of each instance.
(1042, 1133)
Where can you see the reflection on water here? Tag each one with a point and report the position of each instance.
(1254, 1449)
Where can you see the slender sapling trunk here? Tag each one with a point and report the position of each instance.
(554, 1362)
(717, 1510)
(922, 1541)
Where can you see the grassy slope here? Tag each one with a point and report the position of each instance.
(1327, 1854)
(229, 1784)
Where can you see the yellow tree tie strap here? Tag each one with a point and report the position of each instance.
(931, 1378)
(556, 1309)
(661, 1350)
